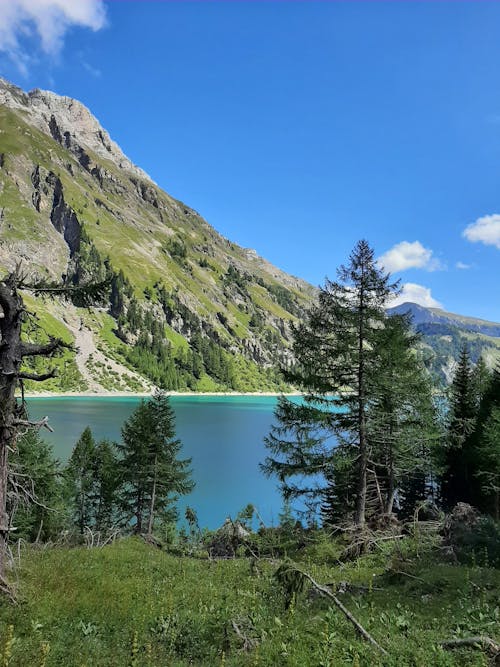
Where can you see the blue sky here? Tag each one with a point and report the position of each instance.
(296, 128)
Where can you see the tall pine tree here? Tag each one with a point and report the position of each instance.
(80, 479)
(487, 439)
(336, 357)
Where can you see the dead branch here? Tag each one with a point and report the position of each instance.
(248, 643)
(491, 647)
(41, 423)
(324, 590)
(407, 574)
(44, 349)
(8, 590)
(37, 377)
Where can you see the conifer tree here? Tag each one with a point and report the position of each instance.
(459, 481)
(14, 351)
(488, 471)
(487, 441)
(80, 476)
(35, 502)
(106, 481)
(152, 474)
(402, 421)
(336, 353)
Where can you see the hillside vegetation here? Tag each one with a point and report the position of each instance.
(132, 604)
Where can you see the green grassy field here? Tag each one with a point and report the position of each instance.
(132, 604)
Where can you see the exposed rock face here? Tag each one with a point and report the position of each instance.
(63, 217)
(48, 192)
(67, 121)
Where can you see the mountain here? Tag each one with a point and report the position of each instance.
(443, 335)
(187, 308)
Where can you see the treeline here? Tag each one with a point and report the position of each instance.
(375, 437)
(129, 486)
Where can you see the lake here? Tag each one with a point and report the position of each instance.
(223, 435)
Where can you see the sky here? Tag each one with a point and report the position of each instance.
(297, 128)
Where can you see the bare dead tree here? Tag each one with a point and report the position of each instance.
(13, 351)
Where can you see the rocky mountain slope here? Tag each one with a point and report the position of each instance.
(444, 334)
(187, 307)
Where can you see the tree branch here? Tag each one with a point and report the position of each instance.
(484, 642)
(44, 349)
(324, 590)
(41, 423)
(38, 377)
(88, 293)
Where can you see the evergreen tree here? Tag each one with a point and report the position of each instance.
(487, 440)
(105, 483)
(336, 351)
(152, 474)
(36, 504)
(459, 481)
(80, 477)
(488, 471)
(402, 421)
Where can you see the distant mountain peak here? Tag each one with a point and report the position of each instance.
(423, 315)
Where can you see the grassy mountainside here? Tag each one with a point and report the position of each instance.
(71, 205)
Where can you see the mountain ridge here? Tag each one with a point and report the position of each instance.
(426, 314)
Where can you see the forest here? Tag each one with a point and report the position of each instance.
(393, 558)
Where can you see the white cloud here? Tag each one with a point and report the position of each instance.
(485, 230)
(47, 20)
(462, 266)
(406, 255)
(415, 294)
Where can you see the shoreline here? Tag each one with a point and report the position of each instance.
(130, 394)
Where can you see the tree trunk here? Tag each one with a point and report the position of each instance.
(138, 514)
(153, 500)
(10, 363)
(360, 513)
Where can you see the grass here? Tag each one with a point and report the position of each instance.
(261, 298)
(131, 604)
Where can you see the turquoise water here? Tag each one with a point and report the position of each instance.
(223, 435)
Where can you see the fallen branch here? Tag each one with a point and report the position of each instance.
(407, 574)
(248, 643)
(324, 590)
(482, 641)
